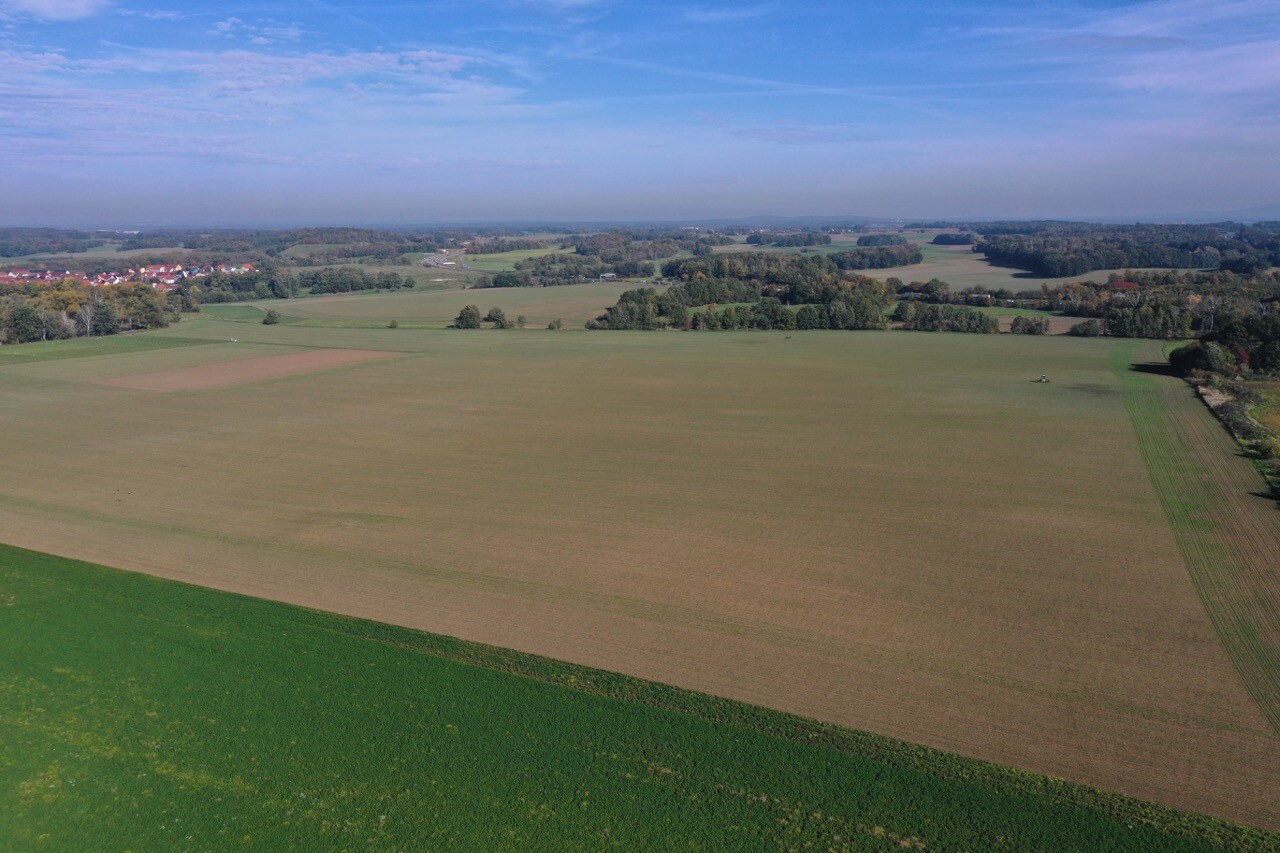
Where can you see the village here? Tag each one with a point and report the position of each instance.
(159, 276)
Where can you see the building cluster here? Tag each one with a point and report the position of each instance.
(160, 276)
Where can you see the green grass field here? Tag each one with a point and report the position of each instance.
(1267, 412)
(505, 261)
(1004, 311)
(145, 714)
(108, 250)
(88, 347)
(435, 309)
(242, 313)
(1225, 528)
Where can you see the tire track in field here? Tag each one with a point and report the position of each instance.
(1228, 536)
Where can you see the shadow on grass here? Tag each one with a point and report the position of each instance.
(1155, 368)
(1268, 496)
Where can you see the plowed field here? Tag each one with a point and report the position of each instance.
(897, 532)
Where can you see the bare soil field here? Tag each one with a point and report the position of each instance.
(897, 532)
(206, 376)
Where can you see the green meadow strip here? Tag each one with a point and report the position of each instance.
(85, 347)
(1228, 539)
(138, 713)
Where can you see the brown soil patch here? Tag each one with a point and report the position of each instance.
(208, 376)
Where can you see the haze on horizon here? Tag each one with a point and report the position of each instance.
(120, 113)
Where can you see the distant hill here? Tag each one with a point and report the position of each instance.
(1257, 213)
(765, 221)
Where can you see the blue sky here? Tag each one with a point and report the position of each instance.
(121, 113)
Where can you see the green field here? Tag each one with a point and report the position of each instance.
(1225, 528)
(505, 261)
(108, 250)
(1004, 311)
(959, 266)
(88, 347)
(575, 304)
(145, 714)
(242, 313)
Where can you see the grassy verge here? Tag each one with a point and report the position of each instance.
(1228, 537)
(84, 347)
(239, 313)
(148, 714)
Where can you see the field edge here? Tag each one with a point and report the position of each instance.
(1191, 480)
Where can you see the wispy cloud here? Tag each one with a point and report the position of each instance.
(263, 32)
(1188, 46)
(56, 10)
(789, 131)
(1059, 105)
(151, 14)
(1251, 67)
(721, 15)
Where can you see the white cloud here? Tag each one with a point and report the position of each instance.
(263, 31)
(1248, 67)
(706, 15)
(56, 10)
(152, 14)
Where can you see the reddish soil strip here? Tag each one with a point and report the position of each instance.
(207, 376)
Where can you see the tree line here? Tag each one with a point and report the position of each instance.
(16, 242)
(278, 283)
(882, 240)
(1057, 250)
(879, 257)
(802, 238)
(943, 317)
(1248, 345)
(499, 245)
(1160, 304)
(72, 309)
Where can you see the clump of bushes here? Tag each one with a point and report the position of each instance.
(1030, 325)
(469, 318)
(1086, 329)
(920, 317)
(1203, 357)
